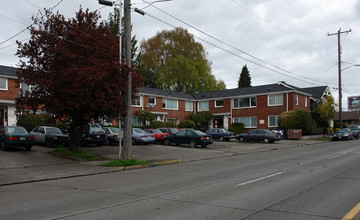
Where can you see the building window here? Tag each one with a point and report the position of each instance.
(175, 120)
(306, 101)
(273, 121)
(275, 99)
(249, 122)
(297, 99)
(3, 84)
(219, 103)
(135, 121)
(188, 106)
(170, 104)
(136, 101)
(152, 100)
(204, 106)
(246, 102)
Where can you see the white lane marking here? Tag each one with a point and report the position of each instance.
(261, 178)
(336, 156)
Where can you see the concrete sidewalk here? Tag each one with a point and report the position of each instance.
(19, 166)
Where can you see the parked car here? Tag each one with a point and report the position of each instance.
(343, 134)
(94, 134)
(112, 134)
(141, 136)
(49, 136)
(259, 135)
(355, 130)
(159, 135)
(220, 133)
(15, 136)
(190, 137)
(169, 130)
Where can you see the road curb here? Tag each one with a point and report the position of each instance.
(156, 164)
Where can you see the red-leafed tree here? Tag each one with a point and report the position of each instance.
(73, 70)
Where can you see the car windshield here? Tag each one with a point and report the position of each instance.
(95, 128)
(198, 132)
(173, 130)
(114, 130)
(16, 130)
(341, 131)
(138, 130)
(156, 131)
(53, 130)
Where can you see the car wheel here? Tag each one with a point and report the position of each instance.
(266, 140)
(221, 139)
(241, 139)
(99, 145)
(192, 144)
(166, 142)
(227, 139)
(133, 141)
(28, 147)
(204, 145)
(2, 146)
(108, 142)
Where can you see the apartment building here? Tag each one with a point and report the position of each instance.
(256, 107)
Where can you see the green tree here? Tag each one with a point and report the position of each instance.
(145, 116)
(172, 60)
(296, 119)
(245, 78)
(201, 119)
(113, 25)
(325, 110)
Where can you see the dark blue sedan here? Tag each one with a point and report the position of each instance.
(188, 137)
(15, 136)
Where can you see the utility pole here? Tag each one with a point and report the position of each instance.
(339, 66)
(125, 150)
(126, 153)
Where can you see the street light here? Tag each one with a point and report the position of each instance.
(108, 3)
(340, 91)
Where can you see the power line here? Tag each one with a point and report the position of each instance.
(286, 71)
(234, 54)
(28, 25)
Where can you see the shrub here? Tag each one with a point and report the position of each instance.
(30, 120)
(187, 124)
(237, 127)
(170, 124)
(157, 124)
(296, 119)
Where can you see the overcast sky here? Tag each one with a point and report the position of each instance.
(278, 40)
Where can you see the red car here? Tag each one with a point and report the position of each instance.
(159, 135)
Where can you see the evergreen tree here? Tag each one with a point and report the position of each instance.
(245, 78)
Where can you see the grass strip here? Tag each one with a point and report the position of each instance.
(124, 163)
(77, 154)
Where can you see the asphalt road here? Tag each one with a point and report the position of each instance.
(318, 181)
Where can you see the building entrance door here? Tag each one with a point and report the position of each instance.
(218, 123)
(2, 117)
